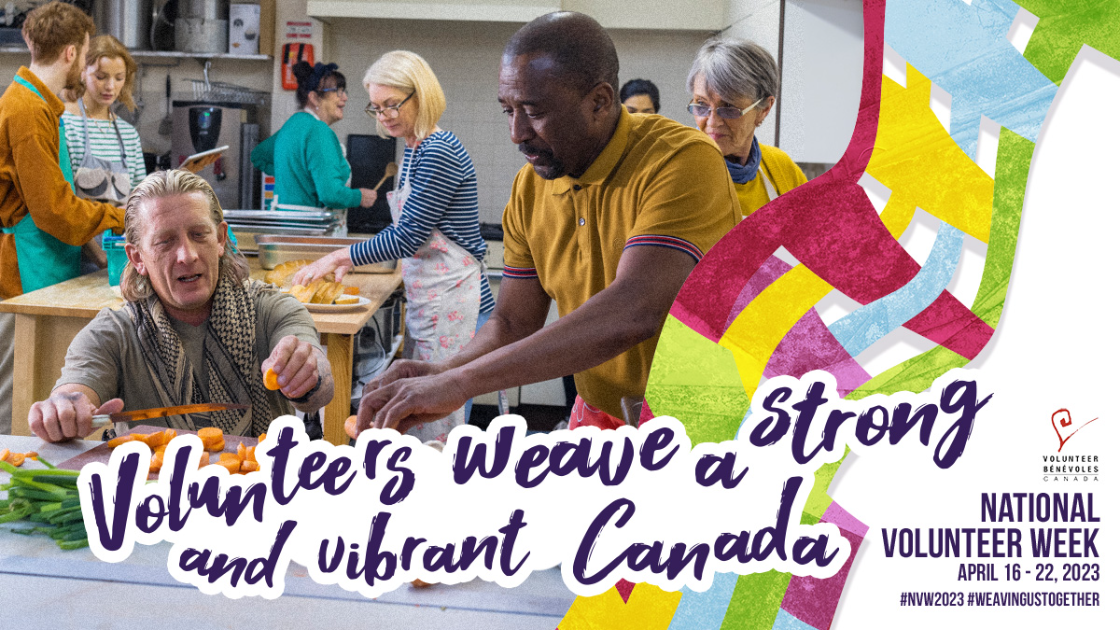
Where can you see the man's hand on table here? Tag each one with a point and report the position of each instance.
(409, 393)
(67, 415)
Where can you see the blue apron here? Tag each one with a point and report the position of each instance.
(43, 259)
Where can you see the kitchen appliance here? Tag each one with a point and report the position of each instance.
(202, 26)
(130, 21)
(198, 126)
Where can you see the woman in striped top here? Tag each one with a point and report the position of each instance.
(105, 153)
(435, 220)
(108, 77)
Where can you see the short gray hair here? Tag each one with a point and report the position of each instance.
(135, 287)
(735, 69)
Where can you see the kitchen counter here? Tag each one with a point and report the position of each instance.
(47, 321)
(53, 588)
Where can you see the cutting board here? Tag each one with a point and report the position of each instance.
(101, 452)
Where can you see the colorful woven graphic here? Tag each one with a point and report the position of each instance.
(745, 314)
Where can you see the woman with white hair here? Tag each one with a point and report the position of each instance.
(734, 84)
(435, 228)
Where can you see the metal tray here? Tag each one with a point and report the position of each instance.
(275, 249)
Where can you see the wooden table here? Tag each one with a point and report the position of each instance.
(42, 586)
(47, 321)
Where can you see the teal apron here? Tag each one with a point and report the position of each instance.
(43, 259)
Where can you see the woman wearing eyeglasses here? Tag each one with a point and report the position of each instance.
(306, 156)
(435, 229)
(733, 84)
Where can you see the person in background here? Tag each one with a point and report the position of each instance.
(609, 216)
(435, 229)
(640, 96)
(44, 223)
(105, 152)
(306, 156)
(194, 329)
(733, 84)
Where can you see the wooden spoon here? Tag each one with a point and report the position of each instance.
(391, 169)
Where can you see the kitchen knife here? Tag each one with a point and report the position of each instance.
(162, 412)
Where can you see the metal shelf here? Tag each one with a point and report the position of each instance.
(155, 54)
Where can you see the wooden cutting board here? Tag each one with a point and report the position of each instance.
(101, 452)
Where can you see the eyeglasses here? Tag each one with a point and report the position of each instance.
(389, 112)
(341, 91)
(726, 113)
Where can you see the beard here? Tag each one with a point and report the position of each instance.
(551, 168)
(74, 75)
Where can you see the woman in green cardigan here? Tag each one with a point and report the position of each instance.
(305, 156)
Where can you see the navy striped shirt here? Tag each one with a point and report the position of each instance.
(444, 195)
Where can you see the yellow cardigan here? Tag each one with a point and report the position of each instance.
(783, 172)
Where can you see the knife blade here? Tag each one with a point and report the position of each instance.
(162, 412)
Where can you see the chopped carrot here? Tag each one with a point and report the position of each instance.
(211, 437)
(4, 455)
(270, 380)
(240, 450)
(232, 465)
(154, 440)
(228, 457)
(261, 438)
(117, 441)
(31, 455)
(351, 427)
(248, 466)
(168, 435)
(250, 454)
(204, 460)
(15, 459)
(156, 463)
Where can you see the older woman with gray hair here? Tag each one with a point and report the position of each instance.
(734, 84)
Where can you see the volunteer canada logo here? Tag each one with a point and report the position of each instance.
(1068, 467)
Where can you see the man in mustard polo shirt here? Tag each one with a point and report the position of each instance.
(608, 218)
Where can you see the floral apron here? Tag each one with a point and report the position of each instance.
(441, 282)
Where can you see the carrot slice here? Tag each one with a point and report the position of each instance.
(4, 455)
(211, 436)
(15, 459)
(248, 466)
(351, 427)
(117, 441)
(232, 465)
(31, 455)
(156, 463)
(270, 380)
(240, 450)
(218, 446)
(229, 456)
(154, 440)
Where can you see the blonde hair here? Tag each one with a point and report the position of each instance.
(409, 72)
(136, 287)
(107, 46)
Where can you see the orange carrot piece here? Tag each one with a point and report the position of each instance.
(156, 463)
(351, 427)
(217, 446)
(232, 465)
(15, 459)
(250, 454)
(31, 455)
(270, 380)
(248, 466)
(117, 441)
(4, 455)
